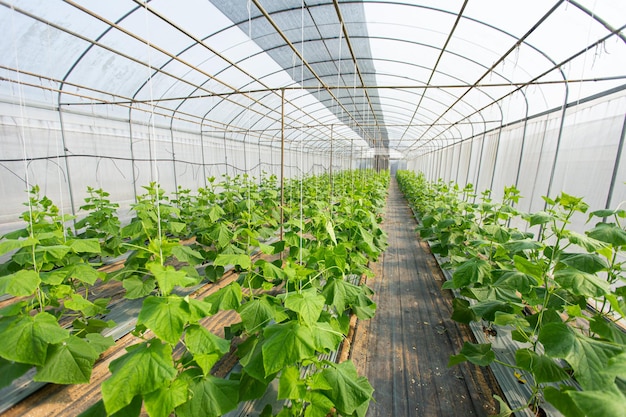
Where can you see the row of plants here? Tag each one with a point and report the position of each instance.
(541, 282)
(291, 309)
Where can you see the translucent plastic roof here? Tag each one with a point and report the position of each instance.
(398, 75)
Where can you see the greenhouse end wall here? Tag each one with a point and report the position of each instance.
(588, 162)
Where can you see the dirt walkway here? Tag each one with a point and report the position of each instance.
(404, 349)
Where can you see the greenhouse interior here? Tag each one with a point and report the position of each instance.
(313, 208)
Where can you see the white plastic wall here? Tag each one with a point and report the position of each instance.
(523, 154)
(65, 152)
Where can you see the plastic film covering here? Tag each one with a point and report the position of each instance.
(121, 93)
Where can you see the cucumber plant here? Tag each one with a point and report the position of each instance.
(53, 324)
(301, 301)
(540, 286)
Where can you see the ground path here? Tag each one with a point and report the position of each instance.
(404, 349)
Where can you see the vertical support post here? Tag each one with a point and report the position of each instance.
(480, 161)
(67, 165)
(522, 148)
(469, 160)
(282, 164)
(558, 144)
(495, 159)
(352, 162)
(330, 199)
(202, 153)
(618, 158)
(174, 161)
(132, 150)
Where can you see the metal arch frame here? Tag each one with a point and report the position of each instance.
(299, 55)
(518, 42)
(565, 81)
(467, 85)
(178, 59)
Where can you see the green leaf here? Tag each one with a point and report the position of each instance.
(516, 246)
(266, 249)
(498, 233)
(349, 391)
(319, 405)
(20, 284)
(84, 245)
(488, 309)
(617, 366)
(221, 234)
(215, 212)
(240, 259)
(367, 242)
(53, 252)
(186, 254)
(586, 262)
(588, 357)
(561, 401)
(142, 370)
(470, 272)
(600, 403)
(213, 272)
(528, 267)
(290, 386)
(363, 306)
(227, 298)
(327, 338)
(581, 283)
(607, 329)
(518, 281)
(516, 320)
(504, 409)
(251, 388)
(84, 273)
(97, 410)
(251, 354)
(479, 354)
(206, 347)
(10, 370)
(69, 362)
(9, 245)
(163, 401)
(198, 309)
(26, 338)
(331, 231)
(54, 277)
(462, 313)
(256, 313)
(12, 309)
(604, 213)
(176, 227)
(286, 344)
(99, 342)
(137, 287)
(210, 397)
(165, 316)
(336, 256)
(541, 217)
(339, 293)
(78, 303)
(618, 304)
(589, 243)
(609, 233)
(86, 326)
(308, 304)
(543, 368)
(271, 270)
(168, 277)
